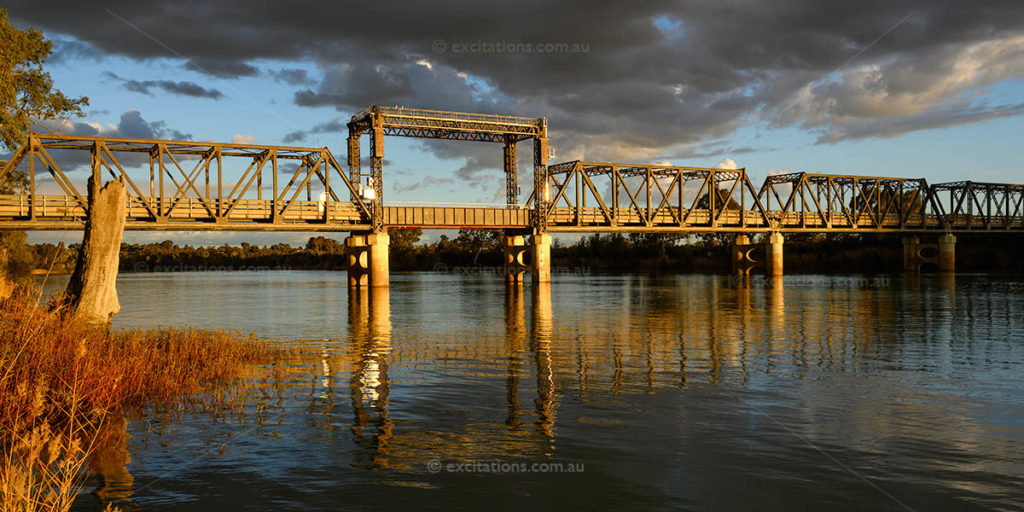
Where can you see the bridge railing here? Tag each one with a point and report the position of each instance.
(65, 209)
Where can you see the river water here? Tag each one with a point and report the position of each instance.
(450, 391)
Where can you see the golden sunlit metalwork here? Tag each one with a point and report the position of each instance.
(187, 189)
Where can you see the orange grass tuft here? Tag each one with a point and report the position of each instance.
(61, 379)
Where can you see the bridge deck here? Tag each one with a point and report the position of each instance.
(57, 212)
(190, 185)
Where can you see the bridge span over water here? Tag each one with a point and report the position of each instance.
(189, 186)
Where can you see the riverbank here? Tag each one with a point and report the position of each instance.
(63, 381)
(644, 253)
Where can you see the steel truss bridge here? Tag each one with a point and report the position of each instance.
(188, 185)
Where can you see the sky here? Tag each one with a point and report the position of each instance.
(931, 89)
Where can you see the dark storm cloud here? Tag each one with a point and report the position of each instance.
(292, 76)
(221, 68)
(638, 91)
(131, 125)
(334, 126)
(183, 88)
(69, 50)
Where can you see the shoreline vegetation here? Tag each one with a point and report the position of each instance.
(833, 253)
(66, 387)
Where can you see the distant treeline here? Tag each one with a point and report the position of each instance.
(812, 253)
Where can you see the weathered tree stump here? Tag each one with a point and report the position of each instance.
(92, 291)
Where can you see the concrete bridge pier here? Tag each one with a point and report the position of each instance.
(514, 249)
(368, 259)
(516, 253)
(540, 247)
(913, 254)
(743, 260)
(941, 254)
(773, 254)
(947, 253)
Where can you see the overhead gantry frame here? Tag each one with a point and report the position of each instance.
(377, 121)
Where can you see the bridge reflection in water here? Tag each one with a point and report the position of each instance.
(540, 373)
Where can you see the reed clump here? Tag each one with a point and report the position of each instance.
(61, 379)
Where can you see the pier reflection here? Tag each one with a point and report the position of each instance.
(642, 368)
(369, 385)
(541, 348)
(706, 332)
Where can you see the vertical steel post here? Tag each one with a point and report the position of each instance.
(377, 171)
(160, 160)
(273, 205)
(353, 161)
(511, 172)
(32, 176)
(540, 179)
(220, 185)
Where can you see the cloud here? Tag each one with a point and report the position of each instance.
(658, 78)
(70, 50)
(243, 139)
(131, 125)
(427, 181)
(333, 126)
(292, 76)
(728, 163)
(221, 68)
(901, 94)
(183, 88)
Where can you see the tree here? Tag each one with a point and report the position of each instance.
(403, 239)
(723, 201)
(320, 245)
(722, 198)
(479, 240)
(26, 96)
(655, 244)
(26, 90)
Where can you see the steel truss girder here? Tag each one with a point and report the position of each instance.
(806, 200)
(971, 205)
(186, 183)
(657, 198)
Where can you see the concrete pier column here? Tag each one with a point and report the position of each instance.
(380, 269)
(368, 259)
(947, 253)
(358, 260)
(773, 254)
(540, 247)
(910, 250)
(740, 248)
(514, 249)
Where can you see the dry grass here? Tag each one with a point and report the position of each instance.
(60, 380)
